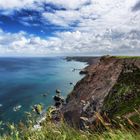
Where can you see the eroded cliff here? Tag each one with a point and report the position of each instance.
(105, 88)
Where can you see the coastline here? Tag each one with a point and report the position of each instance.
(90, 60)
(96, 90)
(86, 60)
(90, 91)
(33, 82)
(85, 103)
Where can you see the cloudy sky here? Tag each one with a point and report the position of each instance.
(69, 27)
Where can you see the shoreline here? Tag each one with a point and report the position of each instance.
(91, 93)
(90, 60)
(65, 79)
(43, 116)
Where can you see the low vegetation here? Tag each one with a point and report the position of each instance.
(124, 98)
(61, 131)
(128, 57)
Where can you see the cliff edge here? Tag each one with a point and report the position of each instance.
(112, 85)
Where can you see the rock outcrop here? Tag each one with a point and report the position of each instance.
(88, 59)
(93, 92)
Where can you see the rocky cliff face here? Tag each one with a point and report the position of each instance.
(100, 89)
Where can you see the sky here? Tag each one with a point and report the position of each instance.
(69, 27)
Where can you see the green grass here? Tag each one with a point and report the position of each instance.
(135, 118)
(127, 57)
(118, 102)
(63, 132)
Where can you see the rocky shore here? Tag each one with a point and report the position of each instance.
(88, 59)
(110, 88)
(111, 85)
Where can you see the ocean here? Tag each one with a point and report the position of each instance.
(23, 81)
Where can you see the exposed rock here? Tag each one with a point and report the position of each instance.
(45, 94)
(71, 83)
(56, 115)
(88, 59)
(83, 72)
(59, 100)
(38, 108)
(90, 93)
(58, 91)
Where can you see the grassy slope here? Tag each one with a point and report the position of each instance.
(125, 96)
(127, 57)
(64, 132)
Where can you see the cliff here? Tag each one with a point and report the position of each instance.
(88, 59)
(112, 85)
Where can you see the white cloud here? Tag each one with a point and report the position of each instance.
(107, 12)
(12, 4)
(97, 16)
(68, 4)
(62, 18)
(22, 44)
(70, 43)
(101, 26)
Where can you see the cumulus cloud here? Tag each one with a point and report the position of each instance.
(109, 13)
(62, 18)
(69, 4)
(24, 44)
(12, 4)
(97, 27)
(75, 42)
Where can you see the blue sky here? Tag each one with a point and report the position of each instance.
(69, 27)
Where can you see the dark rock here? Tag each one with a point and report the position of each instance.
(45, 95)
(83, 72)
(58, 91)
(58, 100)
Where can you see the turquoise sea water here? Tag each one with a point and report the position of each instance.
(24, 80)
